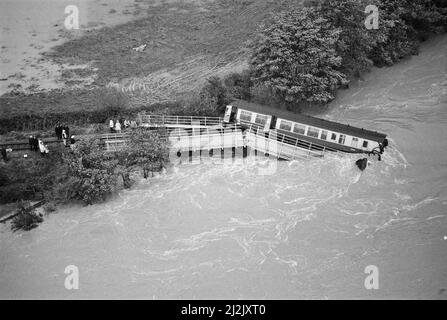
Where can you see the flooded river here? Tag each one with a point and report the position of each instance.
(223, 231)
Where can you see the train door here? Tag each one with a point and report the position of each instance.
(227, 116)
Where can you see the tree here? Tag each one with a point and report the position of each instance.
(296, 57)
(354, 42)
(239, 85)
(215, 89)
(92, 171)
(394, 39)
(401, 26)
(148, 150)
(423, 16)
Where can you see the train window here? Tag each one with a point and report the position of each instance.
(313, 132)
(285, 125)
(260, 119)
(365, 144)
(299, 128)
(341, 139)
(354, 142)
(323, 135)
(245, 115)
(334, 136)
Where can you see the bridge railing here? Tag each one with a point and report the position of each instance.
(174, 131)
(285, 143)
(205, 136)
(163, 120)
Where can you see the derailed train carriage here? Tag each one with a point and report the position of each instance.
(333, 136)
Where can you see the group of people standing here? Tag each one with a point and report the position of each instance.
(37, 144)
(117, 127)
(63, 133)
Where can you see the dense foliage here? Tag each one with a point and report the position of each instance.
(91, 171)
(354, 41)
(83, 173)
(30, 178)
(146, 150)
(403, 24)
(304, 55)
(297, 58)
(26, 217)
(94, 174)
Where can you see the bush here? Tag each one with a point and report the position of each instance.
(63, 192)
(147, 150)
(30, 178)
(214, 93)
(199, 104)
(92, 171)
(26, 218)
(239, 85)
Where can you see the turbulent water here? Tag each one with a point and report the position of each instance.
(307, 231)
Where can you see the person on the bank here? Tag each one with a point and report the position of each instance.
(4, 155)
(111, 125)
(118, 126)
(64, 137)
(31, 142)
(43, 150)
(36, 143)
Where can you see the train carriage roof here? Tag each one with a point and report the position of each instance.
(311, 121)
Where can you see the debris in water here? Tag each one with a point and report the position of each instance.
(362, 163)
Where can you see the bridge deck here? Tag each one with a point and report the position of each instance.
(206, 133)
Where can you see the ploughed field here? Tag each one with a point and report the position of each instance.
(186, 42)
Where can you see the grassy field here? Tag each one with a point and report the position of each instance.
(186, 44)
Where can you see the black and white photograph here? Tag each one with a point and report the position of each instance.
(223, 150)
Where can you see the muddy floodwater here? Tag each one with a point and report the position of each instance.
(309, 230)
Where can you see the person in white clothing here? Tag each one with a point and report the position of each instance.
(43, 150)
(118, 126)
(111, 125)
(64, 137)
